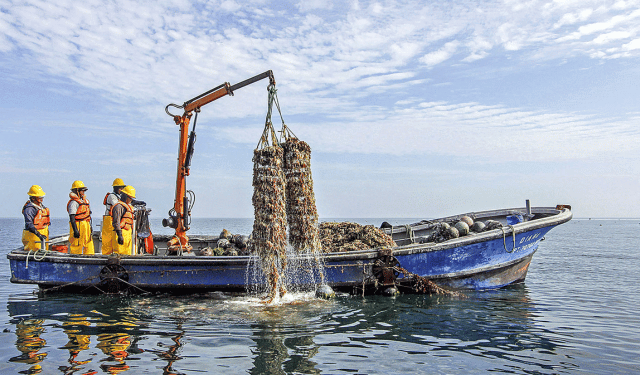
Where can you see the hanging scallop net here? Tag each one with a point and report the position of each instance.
(283, 196)
(269, 235)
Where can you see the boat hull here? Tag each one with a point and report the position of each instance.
(486, 260)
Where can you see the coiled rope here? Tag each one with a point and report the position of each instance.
(44, 254)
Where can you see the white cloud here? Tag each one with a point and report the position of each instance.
(612, 36)
(144, 52)
(493, 133)
(573, 18)
(445, 53)
(307, 5)
(632, 45)
(333, 60)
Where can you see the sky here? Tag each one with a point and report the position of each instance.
(415, 109)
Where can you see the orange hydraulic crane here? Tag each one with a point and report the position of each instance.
(179, 215)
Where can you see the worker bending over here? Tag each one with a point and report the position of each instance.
(36, 220)
(122, 221)
(80, 231)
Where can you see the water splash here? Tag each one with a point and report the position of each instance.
(302, 273)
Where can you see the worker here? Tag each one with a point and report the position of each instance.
(36, 220)
(80, 230)
(107, 227)
(122, 221)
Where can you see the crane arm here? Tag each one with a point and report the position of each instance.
(179, 219)
(224, 89)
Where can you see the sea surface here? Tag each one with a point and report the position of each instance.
(577, 312)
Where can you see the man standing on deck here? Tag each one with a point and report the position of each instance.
(122, 221)
(107, 221)
(80, 231)
(36, 220)
(107, 227)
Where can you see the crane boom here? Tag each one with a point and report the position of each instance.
(179, 215)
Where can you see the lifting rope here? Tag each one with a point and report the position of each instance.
(269, 131)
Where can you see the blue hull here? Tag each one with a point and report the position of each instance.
(480, 261)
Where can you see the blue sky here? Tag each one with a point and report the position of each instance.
(412, 109)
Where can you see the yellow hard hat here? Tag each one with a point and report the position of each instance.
(118, 182)
(129, 190)
(36, 191)
(78, 185)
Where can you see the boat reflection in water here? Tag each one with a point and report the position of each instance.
(233, 334)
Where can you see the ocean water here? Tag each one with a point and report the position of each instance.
(575, 313)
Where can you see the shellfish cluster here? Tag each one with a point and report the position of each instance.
(302, 214)
(346, 236)
(269, 235)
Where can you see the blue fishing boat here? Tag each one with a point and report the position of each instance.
(446, 251)
(485, 259)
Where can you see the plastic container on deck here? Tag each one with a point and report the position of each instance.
(514, 219)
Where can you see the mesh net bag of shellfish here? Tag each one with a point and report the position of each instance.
(346, 236)
(302, 215)
(269, 235)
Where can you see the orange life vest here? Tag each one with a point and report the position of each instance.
(84, 212)
(104, 201)
(41, 220)
(126, 221)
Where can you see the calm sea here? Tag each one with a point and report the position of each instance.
(577, 312)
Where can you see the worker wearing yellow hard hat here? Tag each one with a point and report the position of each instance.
(80, 231)
(122, 221)
(36, 220)
(111, 199)
(107, 227)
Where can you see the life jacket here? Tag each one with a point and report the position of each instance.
(84, 212)
(41, 220)
(104, 201)
(126, 221)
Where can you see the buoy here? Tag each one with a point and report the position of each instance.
(325, 292)
(478, 226)
(467, 220)
(452, 232)
(462, 227)
(391, 291)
